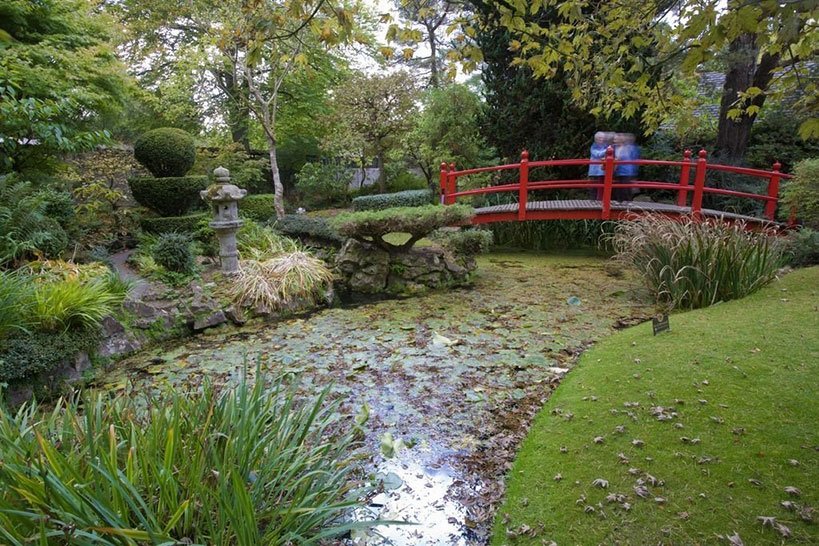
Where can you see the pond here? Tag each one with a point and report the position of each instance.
(455, 377)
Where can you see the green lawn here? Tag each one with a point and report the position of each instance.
(738, 387)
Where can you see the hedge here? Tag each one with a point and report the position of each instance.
(173, 196)
(180, 224)
(305, 227)
(166, 152)
(409, 198)
(257, 207)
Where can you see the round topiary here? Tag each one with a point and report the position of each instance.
(166, 152)
(173, 252)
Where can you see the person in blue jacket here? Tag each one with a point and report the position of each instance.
(598, 153)
(625, 149)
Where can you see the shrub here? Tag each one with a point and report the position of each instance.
(324, 184)
(280, 282)
(166, 152)
(410, 198)
(168, 196)
(469, 242)
(15, 297)
(25, 355)
(257, 207)
(71, 304)
(192, 224)
(548, 234)
(696, 264)
(802, 193)
(803, 247)
(258, 242)
(400, 179)
(370, 226)
(252, 465)
(776, 138)
(173, 252)
(308, 227)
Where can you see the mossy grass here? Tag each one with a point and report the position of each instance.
(741, 378)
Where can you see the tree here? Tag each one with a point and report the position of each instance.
(448, 130)
(375, 111)
(58, 76)
(625, 57)
(424, 22)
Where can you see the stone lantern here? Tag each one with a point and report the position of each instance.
(224, 198)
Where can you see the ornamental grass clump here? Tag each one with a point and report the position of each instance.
(281, 281)
(691, 264)
(250, 465)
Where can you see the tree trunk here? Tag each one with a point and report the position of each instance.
(733, 135)
(382, 176)
(434, 78)
(278, 189)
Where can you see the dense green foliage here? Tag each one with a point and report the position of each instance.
(257, 207)
(803, 247)
(308, 228)
(174, 252)
(775, 138)
(171, 196)
(58, 77)
(248, 171)
(464, 242)
(801, 195)
(15, 297)
(371, 226)
(24, 356)
(688, 265)
(407, 198)
(166, 152)
(71, 304)
(250, 465)
(322, 185)
(183, 224)
(711, 418)
(551, 234)
(32, 221)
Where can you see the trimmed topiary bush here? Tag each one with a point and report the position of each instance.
(307, 227)
(173, 196)
(371, 226)
(191, 223)
(257, 207)
(410, 198)
(166, 152)
(173, 252)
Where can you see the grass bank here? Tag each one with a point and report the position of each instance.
(688, 437)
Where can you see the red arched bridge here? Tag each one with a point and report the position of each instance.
(689, 193)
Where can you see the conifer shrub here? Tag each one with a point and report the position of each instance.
(801, 194)
(191, 223)
(409, 198)
(170, 196)
(166, 152)
(308, 228)
(258, 207)
(371, 226)
(174, 252)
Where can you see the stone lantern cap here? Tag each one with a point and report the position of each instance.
(223, 192)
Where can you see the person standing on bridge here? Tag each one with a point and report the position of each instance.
(625, 149)
(598, 153)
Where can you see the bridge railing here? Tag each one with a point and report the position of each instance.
(685, 187)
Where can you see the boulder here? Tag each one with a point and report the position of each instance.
(364, 267)
(209, 320)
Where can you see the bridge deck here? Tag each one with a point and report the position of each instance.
(587, 208)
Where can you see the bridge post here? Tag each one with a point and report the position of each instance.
(523, 185)
(773, 191)
(452, 183)
(608, 180)
(699, 184)
(685, 176)
(442, 182)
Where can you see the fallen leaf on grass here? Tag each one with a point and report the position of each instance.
(793, 491)
(601, 483)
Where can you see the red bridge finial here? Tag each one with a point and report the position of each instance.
(524, 155)
(702, 154)
(610, 151)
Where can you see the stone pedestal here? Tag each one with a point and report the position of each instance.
(224, 198)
